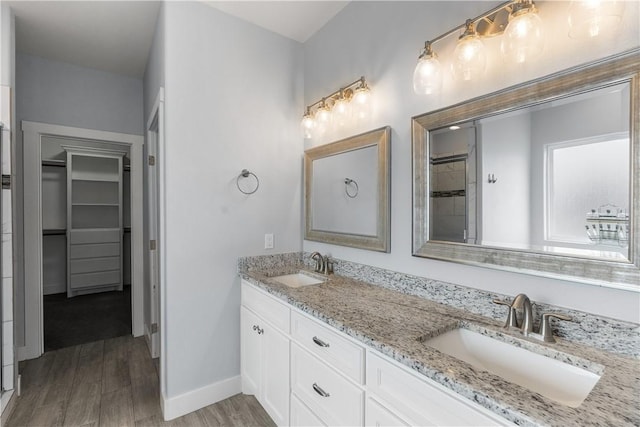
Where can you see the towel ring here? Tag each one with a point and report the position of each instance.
(245, 174)
(347, 183)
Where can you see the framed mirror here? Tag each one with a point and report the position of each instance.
(347, 191)
(542, 178)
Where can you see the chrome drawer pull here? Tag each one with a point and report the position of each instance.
(320, 342)
(320, 391)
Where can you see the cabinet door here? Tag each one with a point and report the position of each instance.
(250, 352)
(377, 415)
(275, 374)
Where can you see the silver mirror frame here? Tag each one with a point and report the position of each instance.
(620, 68)
(382, 240)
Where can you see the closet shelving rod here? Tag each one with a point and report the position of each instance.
(54, 232)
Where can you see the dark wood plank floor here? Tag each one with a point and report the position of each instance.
(115, 383)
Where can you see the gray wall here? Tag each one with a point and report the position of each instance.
(382, 41)
(233, 101)
(64, 94)
(152, 82)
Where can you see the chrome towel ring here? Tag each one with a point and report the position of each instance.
(245, 174)
(348, 183)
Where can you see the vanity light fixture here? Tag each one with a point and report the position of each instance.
(427, 77)
(522, 28)
(338, 108)
(469, 58)
(523, 38)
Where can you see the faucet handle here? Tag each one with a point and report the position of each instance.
(512, 319)
(545, 325)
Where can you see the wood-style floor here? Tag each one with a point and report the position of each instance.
(112, 382)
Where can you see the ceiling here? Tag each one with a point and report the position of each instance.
(297, 20)
(116, 36)
(113, 36)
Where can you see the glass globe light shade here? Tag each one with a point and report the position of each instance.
(523, 39)
(592, 18)
(427, 76)
(307, 125)
(361, 103)
(341, 112)
(469, 58)
(322, 119)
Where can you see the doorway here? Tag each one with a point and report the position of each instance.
(37, 139)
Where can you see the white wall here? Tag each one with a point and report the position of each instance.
(233, 96)
(64, 94)
(505, 151)
(382, 40)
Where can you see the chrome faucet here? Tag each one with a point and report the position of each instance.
(324, 264)
(319, 259)
(522, 302)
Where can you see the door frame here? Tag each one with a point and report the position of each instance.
(155, 135)
(32, 189)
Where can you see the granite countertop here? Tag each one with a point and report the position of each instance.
(395, 324)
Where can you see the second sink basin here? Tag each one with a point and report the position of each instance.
(297, 280)
(557, 380)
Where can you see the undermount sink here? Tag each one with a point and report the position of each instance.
(554, 379)
(298, 280)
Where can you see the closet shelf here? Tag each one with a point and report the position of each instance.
(63, 164)
(95, 204)
(96, 179)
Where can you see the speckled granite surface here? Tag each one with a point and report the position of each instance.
(394, 323)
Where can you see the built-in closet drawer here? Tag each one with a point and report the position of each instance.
(332, 348)
(331, 396)
(91, 265)
(94, 251)
(266, 306)
(78, 281)
(422, 402)
(77, 237)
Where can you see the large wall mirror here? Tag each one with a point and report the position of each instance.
(347, 191)
(542, 178)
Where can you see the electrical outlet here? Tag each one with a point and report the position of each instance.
(268, 241)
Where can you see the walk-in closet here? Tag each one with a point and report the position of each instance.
(86, 242)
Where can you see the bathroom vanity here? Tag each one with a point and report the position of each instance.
(345, 352)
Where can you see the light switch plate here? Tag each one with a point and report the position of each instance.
(268, 241)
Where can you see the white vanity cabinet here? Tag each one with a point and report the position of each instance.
(326, 378)
(412, 399)
(264, 324)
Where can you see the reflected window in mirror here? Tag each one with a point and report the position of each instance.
(533, 178)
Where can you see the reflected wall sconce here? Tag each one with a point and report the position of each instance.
(351, 102)
(523, 40)
(592, 18)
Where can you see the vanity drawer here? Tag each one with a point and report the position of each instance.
(265, 306)
(303, 416)
(423, 402)
(334, 399)
(332, 348)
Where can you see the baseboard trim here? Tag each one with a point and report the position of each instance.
(183, 404)
(8, 403)
(53, 288)
(24, 353)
